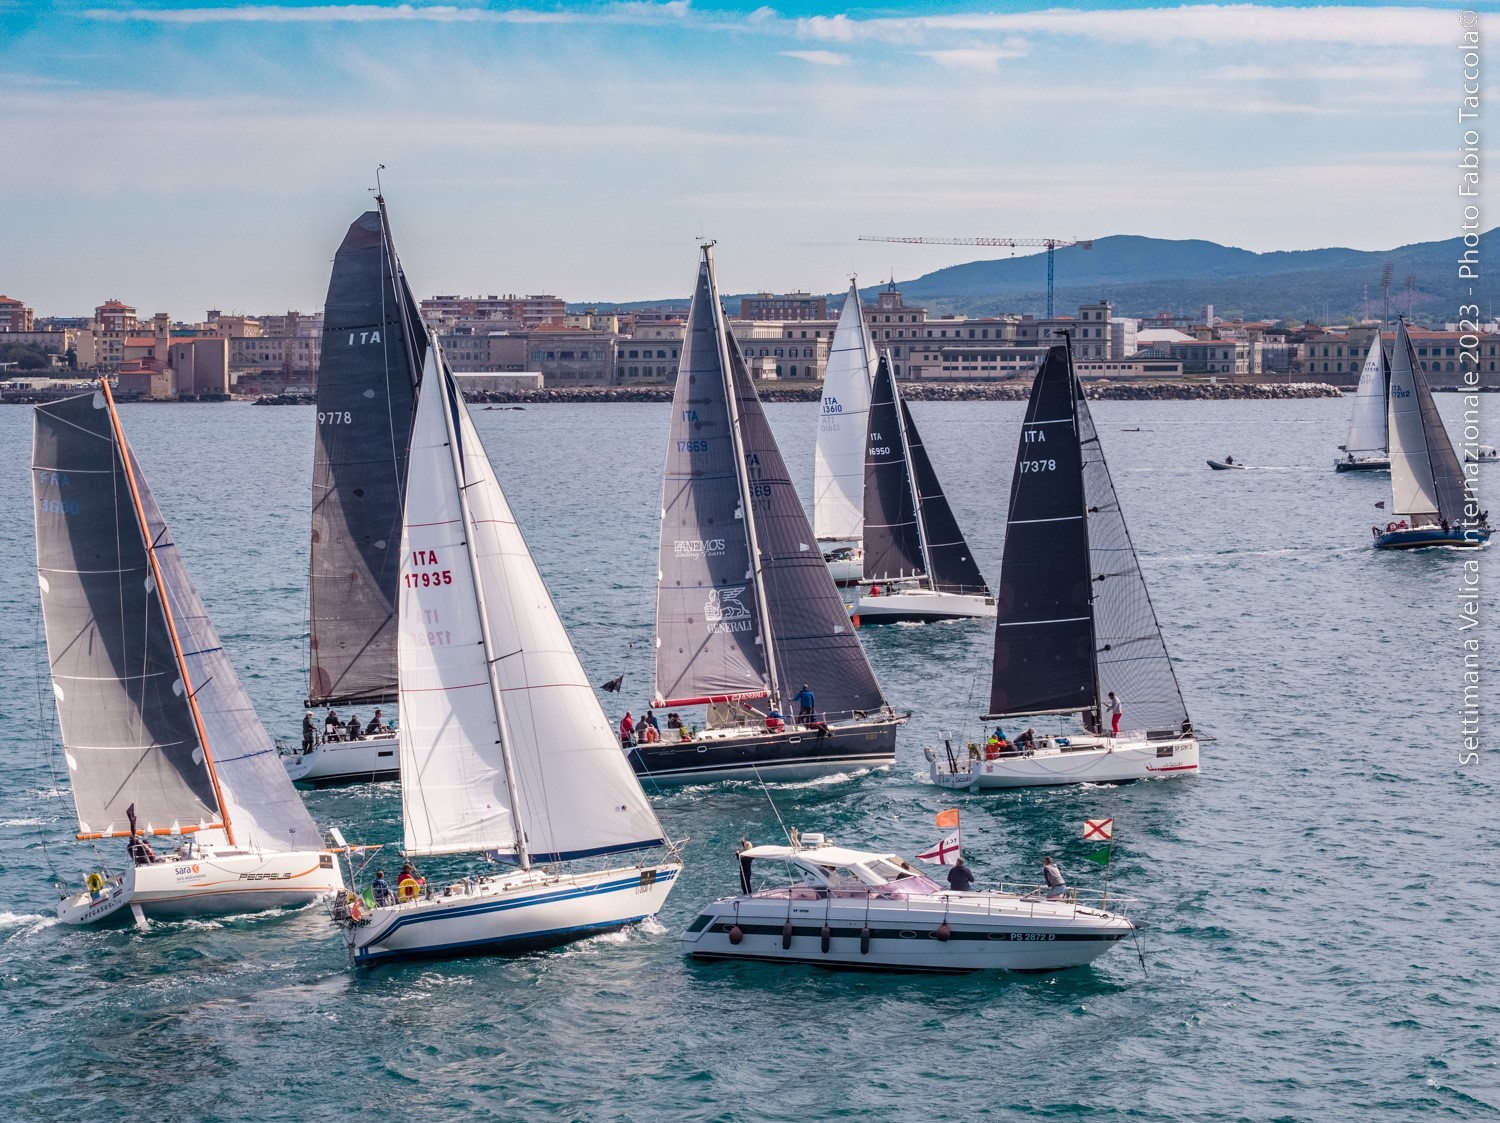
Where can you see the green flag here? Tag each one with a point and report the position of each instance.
(1100, 856)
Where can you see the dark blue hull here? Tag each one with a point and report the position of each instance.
(794, 754)
(1418, 537)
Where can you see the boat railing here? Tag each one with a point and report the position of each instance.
(1007, 898)
(790, 723)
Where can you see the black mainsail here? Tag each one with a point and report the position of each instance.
(1074, 620)
(746, 608)
(910, 528)
(374, 344)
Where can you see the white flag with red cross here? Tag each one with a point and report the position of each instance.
(1098, 830)
(945, 853)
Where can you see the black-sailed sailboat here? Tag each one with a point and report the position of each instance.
(374, 346)
(1075, 631)
(1432, 505)
(749, 622)
(916, 562)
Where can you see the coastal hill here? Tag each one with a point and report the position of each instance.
(1143, 276)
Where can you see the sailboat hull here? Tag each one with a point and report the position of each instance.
(923, 606)
(1418, 537)
(1086, 760)
(846, 571)
(346, 762)
(745, 754)
(1372, 464)
(502, 916)
(212, 884)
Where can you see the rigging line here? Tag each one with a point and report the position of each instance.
(776, 810)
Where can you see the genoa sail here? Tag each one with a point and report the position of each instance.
(839, 457)
(372, 355)
(951, 567)
(893, 535)
(708, 628)
(1367, 423)
(1044, 630)
(529, 755)
(1427, 483)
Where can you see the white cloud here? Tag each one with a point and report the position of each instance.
(625, 11)
(984, 59)
(820, 58)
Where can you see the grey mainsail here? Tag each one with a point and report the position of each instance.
(1044, 628)
(813, 639)
(1427, 483)
(893, 536)
(128, 731)
(708, 628)
(374, 344)
(951, 567)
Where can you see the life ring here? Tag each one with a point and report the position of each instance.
(94, 882)
(408, 890)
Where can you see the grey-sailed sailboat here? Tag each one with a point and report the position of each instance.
(374, 345)
(162, 745)
(1075, 631)
(916, 561)
(749, 622)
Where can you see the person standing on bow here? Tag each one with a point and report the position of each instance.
(806, 701)
(1116, 709)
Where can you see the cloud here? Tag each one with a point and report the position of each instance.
(985, 59)
(820, 58)
(625, 11)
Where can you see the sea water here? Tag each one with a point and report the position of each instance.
(1320, 901)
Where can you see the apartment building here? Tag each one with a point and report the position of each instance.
(14, 316)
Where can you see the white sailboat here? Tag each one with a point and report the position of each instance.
(1429, 495)
(161, 742)
(1075, 626)
(1365, 448)
(839, 457)
(505, 750)
(917, 564)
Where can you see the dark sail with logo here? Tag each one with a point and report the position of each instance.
(1044, 646)
(950, 564)
(708, 628)
(128, 732)
(374, 344)
(813, 640)
(893, 537)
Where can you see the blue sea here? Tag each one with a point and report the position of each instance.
(1320, 900)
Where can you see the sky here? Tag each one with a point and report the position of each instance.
(186, 156)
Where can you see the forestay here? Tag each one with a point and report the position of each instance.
(127, 729)
(708, 627)
(575, 794)
(1367, 424)
(1426, 478)
(372, 353)
(1044, 636)
(839, 458)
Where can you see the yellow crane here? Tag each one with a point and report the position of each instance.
(1050, 243)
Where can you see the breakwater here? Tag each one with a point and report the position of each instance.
(1102, 390)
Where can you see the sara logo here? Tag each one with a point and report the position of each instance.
(697, 547)
(186, 871)
(723, 611)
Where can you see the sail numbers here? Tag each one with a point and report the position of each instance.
(335, 417)
(1037, 466)
(428, 578)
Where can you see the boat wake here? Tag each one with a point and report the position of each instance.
(31, 921)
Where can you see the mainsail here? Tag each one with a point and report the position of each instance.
(839, 458)
(893, 534)
(1367, 424)
(503, 743)
(1427, 482)
(373, 348)
(151, 711)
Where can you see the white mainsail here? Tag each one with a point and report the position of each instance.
(839, 459)
(566, 789)
(1367, 424)
(1413, 491)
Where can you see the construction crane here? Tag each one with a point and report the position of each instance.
(1050, 243)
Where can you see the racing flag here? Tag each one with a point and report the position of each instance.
(1098, 830)
(945, 853)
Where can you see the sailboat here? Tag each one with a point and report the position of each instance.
(374, 344)
(162, 745)
(748, 619)
(1075, 626)
(839, 457)
(505, 750)
(1428, 495)
(1365, 448)
(917, 564)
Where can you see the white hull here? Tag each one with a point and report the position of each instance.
(1087, 760)
(987, 931)
(216, 884)
(923, 606)
(346, 762)
(845, 560)
(514, 913)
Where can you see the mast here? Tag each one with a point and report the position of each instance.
(522, 850)
(123, 451)
(742, 473)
